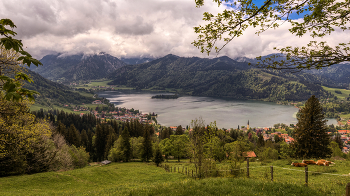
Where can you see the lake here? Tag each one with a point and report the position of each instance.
(227, 113)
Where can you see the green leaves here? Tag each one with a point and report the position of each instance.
(12, 87)
(322, 19)
(13, 90)
(11, 43)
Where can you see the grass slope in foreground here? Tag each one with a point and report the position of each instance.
(140, 179)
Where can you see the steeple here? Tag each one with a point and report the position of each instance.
(248, 125)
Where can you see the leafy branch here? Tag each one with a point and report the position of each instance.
(12, 87)
(321, 18)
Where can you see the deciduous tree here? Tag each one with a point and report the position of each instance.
(12, 55)
(319, 19)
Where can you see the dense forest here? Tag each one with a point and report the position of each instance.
(54, 93)
(219, 77)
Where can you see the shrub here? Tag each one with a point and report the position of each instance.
(80, 157)
(269, 153)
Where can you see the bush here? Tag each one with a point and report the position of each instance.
(268, 153)
(115, 155)
(80, 157)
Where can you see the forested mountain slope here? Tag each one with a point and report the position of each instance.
(77, 67)
(54, 92)
(219, 77)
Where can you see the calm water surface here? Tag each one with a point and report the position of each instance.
(227, 113)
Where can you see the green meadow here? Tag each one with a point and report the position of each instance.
(326, 180)
(136, 178)
(102, 82)
(344, 93)
(36, 107)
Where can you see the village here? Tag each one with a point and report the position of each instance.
(279, 131)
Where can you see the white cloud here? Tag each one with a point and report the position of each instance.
(130, 28)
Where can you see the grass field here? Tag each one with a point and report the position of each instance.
(95, 83)
(85, 94)
(36, 107)
(326, 180)
(138, 178)
(344, 93)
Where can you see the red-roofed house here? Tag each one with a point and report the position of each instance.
(343, 132)
(250, 154)
(289, 140)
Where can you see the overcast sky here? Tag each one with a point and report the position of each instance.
(131, 28)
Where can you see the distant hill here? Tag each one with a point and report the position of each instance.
(333, 76)
(134, 61)
(338, 73)
(54, 92)
(218, 77)
(77, 67)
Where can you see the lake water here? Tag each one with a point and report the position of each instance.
(227, 113)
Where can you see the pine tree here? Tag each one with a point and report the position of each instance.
(100, 142)
(337, 139)
(261, 142)
(73, 136)
(84, 139)
(125, 145)
(147, 145)
(310, 134)
(61, 129)
(179, 130)
(158, 157)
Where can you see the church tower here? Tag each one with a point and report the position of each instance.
(248, 125)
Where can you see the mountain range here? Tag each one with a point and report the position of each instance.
(219, 77)
(77, 67)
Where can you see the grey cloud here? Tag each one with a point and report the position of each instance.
(136, 26)
(129, 28)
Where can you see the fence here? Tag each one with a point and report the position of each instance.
(217, 173)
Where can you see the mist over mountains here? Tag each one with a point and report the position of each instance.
(77, 67)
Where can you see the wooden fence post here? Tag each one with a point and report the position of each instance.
(347, 189)
(248, 167)
(271, 173)
(306, 176)
(182, 169)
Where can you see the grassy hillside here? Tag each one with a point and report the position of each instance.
(342, 95)
(145, 179)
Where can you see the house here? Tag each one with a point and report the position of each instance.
(97, 102)
(289, 140)
(345, 149)
(250, 154)
(343, 132)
